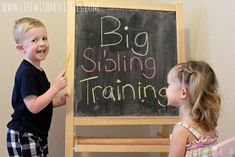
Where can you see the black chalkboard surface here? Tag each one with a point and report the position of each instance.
(122, 57)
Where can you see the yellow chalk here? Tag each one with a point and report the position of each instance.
(67, 61)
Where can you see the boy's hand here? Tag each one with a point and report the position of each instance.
(61, 100)
(61, 81)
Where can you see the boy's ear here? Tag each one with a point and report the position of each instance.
(184, 93)
(20, 48)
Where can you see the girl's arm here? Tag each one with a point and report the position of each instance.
(178, 142)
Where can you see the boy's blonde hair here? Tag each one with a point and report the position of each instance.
(23, 25)
(202, 85)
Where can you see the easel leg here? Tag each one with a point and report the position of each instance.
(165, 134)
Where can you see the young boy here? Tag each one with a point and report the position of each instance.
(33, 98)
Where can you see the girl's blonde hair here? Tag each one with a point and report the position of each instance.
(23, 25)
(202, 84)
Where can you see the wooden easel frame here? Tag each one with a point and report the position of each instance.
(72, 122)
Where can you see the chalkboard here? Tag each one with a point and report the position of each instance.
(122, 57)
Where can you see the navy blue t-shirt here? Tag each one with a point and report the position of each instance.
(30, 81)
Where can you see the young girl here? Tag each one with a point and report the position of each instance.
(193, 88)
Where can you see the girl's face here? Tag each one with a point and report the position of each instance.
(173, 90)
(35, 44)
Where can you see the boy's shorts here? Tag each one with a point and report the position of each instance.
(25, 145)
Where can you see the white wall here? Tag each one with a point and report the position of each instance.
(209, 36)
(211, 30)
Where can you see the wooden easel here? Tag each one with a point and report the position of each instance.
(86, 144)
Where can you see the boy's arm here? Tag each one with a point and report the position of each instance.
(178, 142)
(37, 103)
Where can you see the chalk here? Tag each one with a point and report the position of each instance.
(67, 61)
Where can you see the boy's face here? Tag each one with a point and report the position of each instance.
(35, 44)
